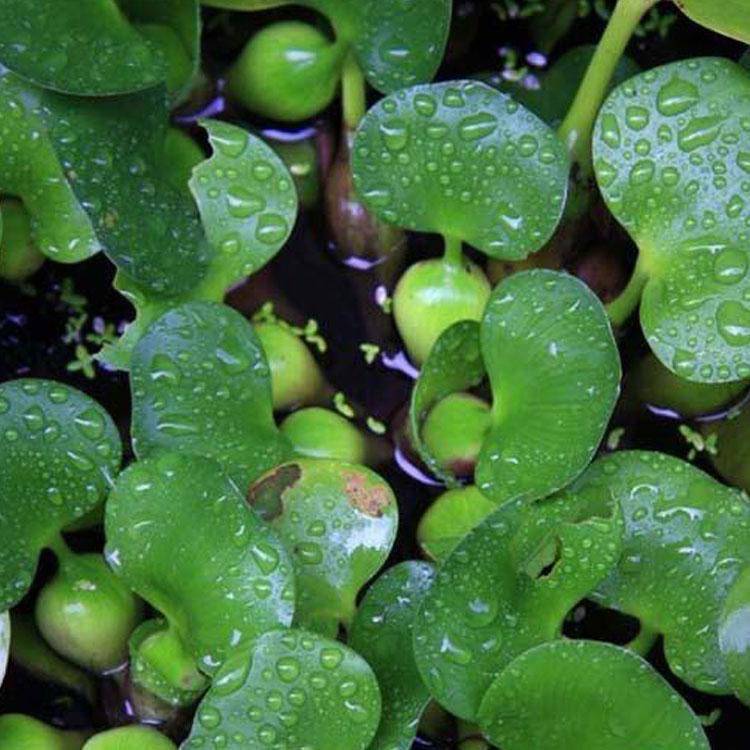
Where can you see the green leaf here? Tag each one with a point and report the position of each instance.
(492, 598)
(558, 86)
(397, 44)
(4, 643)
(247, 202)
(382, 634)
(687, 538)
(454, 364)
(201, 383)
(554, 370)
(180, 534)
(30, 170)
(584, 694)
(175, 27)
(299, 690)
(339, 522)
(76, 46)
(111, 151)
(490, 173)
(734, 635)
(688, 213)
(59, 453)
(450, 518)
(728, 17)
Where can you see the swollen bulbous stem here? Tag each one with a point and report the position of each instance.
(644, 641)
(623, 306)
(578, 125)
(85, 612)
(353, 93)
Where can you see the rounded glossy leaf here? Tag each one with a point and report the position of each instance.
(734, 635)
(454, 364)
(58, 452)
(489, 172)
(728, 17)
(687, 538)
(201, 384)
(506, 587)
(30, 170)
(397, 44)
(132, 737)
(382, 634)
(249, 217)
(584, 694)
(554, 370)
(298, 690)
(180, 534)
(687, 210)
(77, 46)
(4, 643)
(339, 522)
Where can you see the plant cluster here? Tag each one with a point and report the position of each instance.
(242, 580)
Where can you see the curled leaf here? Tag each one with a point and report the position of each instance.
(554, 371)
(247, 203)
(179, 533)
(687, 212)
(682, 526)
(339, 522)
(508, 586)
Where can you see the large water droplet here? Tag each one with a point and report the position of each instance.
(733, 320)
(676, 97)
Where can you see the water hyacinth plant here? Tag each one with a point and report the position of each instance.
(324, 420)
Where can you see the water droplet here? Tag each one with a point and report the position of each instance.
(209, 717)
(425, 105)
(330, 658)
(288, 669)
(395, 134)
(699, 132)
(610, 130)
(733, 320)
(676, 97)
(242, 203)
(637, 117)
(475, 127)
(730, 266)
(272, 229)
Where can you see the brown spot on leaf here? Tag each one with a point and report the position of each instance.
(371, 500)
(266, 495)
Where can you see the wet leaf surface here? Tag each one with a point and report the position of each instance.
(247, 203)
(298, 690)
(687, 538)
(382, 634)
(463, 160)
(58, 452)
(181, 536)
(507, 586)
(339, 522)
(575, 694)
(734, 635)
(200, 383)
(688, 213)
